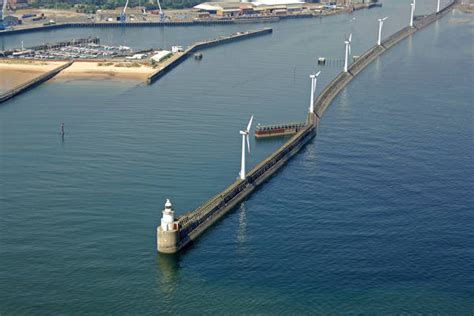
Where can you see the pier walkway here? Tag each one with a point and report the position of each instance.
(173, 237)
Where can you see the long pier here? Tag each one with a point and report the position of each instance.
(175, 233)
(180, 57)
(32, 83)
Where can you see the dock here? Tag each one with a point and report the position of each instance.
(278, 130)
(178, 58)
(174, 234)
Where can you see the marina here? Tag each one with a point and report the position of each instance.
(84, 52)
(94, 59)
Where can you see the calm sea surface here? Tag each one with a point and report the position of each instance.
(373, 217)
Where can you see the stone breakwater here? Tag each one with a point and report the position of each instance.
(180, 57)
(335, 86)
(32, 83)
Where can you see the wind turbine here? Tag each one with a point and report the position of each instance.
(245, 136)
(348, 51)
(413, 4)
(379, 42)
(314, 81)
(437, 8)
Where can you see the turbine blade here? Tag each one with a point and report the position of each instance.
(248, 143)
(250, 124)
(350, 38)
(318, 73)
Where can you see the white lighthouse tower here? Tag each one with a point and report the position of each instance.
(167, 233)
(167, 220)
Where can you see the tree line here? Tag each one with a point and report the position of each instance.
(91, 6)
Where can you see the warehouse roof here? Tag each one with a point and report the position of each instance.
(214, 6)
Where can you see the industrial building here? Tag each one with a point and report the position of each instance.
(234, 8)
(263, 7)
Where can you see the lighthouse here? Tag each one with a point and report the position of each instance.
(167, 237)
(168, 217)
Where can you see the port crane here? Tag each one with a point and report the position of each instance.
(122, 18)
(162, 15)
(2, 17)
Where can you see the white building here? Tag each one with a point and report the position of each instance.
(162, 54)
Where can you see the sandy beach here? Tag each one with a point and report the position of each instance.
(16, 72)
(132, 70)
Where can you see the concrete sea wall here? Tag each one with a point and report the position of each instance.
(174, 61)
(32, 83)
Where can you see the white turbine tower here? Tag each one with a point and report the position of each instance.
(379, 42)
(412, 12)
(245, 137)
(314, 80)
(348, 51)
(437, 8)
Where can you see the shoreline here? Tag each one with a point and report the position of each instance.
(28, 69)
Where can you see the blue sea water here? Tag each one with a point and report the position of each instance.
(372, 217)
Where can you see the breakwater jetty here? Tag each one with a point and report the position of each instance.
(180, 57)
(337, 84)
(174, 233)
(32, 83)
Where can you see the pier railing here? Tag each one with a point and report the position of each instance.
(193, 223)
(190, 221)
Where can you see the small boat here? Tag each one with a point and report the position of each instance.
(198, 56)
